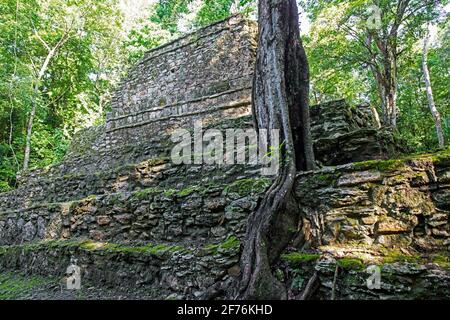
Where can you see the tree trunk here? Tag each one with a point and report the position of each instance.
(280, 101)
(26, 157)
(385, 73)
(431, 104)
(389, 84)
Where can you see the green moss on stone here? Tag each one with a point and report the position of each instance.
(442, 261)
(146, 193)
(61, 244)
(297, 258)
(5, 187)
(393, 256)
(351, 264)
(229, 244)
(52, 207)
(187, 191)
(155, 249)
(328, 178)
(170, 192)
(379, 165)
(439, 157)
(442, 157)
(89, 245)
(26, 248)
(248, 186)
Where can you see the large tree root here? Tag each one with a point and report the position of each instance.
(269, 231)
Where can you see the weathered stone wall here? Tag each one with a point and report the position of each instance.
(182, 208)
(202, 75)
(387, 213)
(391, 215)
(344, 134)
(343, 275)
(190, 68)
(340, 133)
(158, 271)
(70, 182)
(392, 203)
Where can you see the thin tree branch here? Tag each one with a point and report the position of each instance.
(42, 40)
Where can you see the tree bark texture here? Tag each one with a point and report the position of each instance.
(431, 104)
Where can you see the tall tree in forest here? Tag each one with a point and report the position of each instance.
(66, 41)
(374, 39)
(66, 28)
(431, 104)
(280, 102)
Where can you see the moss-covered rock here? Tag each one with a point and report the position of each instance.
(17, 286)
(298, 258)
(248, 186)
(232, 243)
(350, 264)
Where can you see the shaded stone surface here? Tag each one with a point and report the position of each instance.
(344, 134)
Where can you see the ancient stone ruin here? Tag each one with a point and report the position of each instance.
(131, 219)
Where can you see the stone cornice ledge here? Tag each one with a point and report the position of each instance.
(236, 104)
